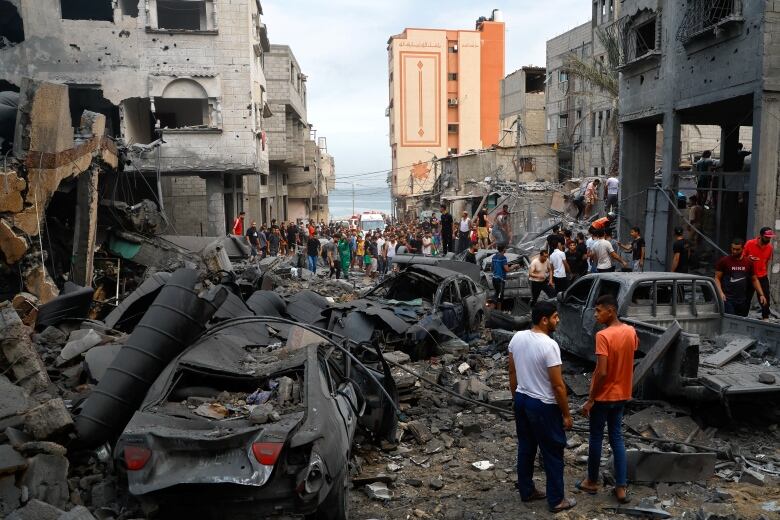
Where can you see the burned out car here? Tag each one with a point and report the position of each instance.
(254, 420)
(517, 289)
(417, 310)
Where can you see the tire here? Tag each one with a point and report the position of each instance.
(336, 504)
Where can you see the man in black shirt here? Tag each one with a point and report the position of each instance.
(446, 230)
(637, 249)
(292, 237)
(554, 239)
(252, 238)
(471, 254)
(312, 252)
(680, 252)
(483, 233)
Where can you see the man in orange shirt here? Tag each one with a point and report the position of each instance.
(759, 251)
(609, 391)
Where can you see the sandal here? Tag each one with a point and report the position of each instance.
(567, 503)
(621, 500)
(579, 485)
(536, 495)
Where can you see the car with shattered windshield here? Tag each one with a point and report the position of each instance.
(419, 310)
(255, 420)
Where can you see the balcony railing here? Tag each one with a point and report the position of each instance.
(703, 17)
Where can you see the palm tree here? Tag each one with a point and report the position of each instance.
(604, 75)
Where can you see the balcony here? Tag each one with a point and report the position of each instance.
(709, 18)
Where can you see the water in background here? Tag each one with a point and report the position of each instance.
(340, 201)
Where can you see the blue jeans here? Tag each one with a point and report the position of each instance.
(312, 264)
(539, 425)
(611, 414)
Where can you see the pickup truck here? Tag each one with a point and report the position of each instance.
(651, 302)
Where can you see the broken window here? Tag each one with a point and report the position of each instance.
(579, 292)
(87, 10)
(129, 7)
(644, 38)
(705, 17)
(11, 26)
(83, 98)
(184, 104)
(534, 82)
(184, 15)
(138, 121)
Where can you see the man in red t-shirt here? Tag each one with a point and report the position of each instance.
(759, 251)
(238, 224)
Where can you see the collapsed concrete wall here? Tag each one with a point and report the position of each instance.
(46, 154)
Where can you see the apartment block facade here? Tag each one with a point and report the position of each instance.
(182, 85)
(444, 100)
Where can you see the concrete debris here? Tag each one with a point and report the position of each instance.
(48, 420)
(46, 478)
(36, 510)
(379, 491)
(482, 465)
(652, 466)
(79, 342)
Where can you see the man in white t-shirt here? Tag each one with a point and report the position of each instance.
(541, 407)
(560, 267)
(613, 189)
(602, 253)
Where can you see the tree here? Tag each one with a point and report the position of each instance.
(603, 75)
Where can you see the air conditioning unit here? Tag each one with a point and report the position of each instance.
(452, 102)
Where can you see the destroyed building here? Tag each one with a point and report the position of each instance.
(182, 86)
(702, 63)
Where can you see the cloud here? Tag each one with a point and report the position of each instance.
(341, 46)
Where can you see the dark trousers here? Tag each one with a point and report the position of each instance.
(609, 414)
(612, 203)
(539, 426)
(738, 308)
(538, 287)
(335, 269)
(561, 284)
(463, 241)
(446, 240)
(498, 287)
(764, 281)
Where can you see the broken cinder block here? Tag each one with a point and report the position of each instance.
(27, 367)
(50, 419)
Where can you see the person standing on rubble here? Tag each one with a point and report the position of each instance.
(446, 230)
(540, 274)
(602, 253)
(561, 268)
(541, 407)
(252, 238)
(464, 228)
(734, 276)
(591, 196)
(345, 251)
(612, 188)
(483, 224)
(501, 267)
(637, 250)
(312, 252)
(238, 225)
(274, 240)
(610, 389)
(759, 251)
(332, 251)
(681, 252)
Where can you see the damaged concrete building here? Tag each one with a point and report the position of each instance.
(702, 63)
(181, 84)
(297, 181)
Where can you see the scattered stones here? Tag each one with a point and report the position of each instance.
(483, 465)
(419, 431)
(47, 479)
(10, 460)
(436, 484)
(463, 368)
(766, 378)
(10, 495)
(36, 510)
(36, 447)
(709, 511)
(79, 342)
(750, 476)
(77, 513)
(378, 491)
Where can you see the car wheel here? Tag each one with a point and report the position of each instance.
(336, 504)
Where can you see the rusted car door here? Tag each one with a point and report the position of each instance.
(450, 307)
(576, 311)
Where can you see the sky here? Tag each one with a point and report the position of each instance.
(341, 46)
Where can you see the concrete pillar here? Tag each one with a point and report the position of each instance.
(765, 169)
(729, 139)
(85, 226)
(637, 172)
(215, 206)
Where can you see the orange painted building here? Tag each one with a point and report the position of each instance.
(444, 89)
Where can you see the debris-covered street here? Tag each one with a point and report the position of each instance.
(554, 296)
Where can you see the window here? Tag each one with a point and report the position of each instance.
(452, 48)
(579, 114)
(578, 293)
(465, 288)
(263, 179)
(449, 295)
(87, 10)
(184, 104)
(549, 124)
(563, 121)
(129, 7)
(452, 151)
(452, 76)
(452, 128)
(181, 15)
(603, 10)
(563, 76)
(644, 37)
(11, 26)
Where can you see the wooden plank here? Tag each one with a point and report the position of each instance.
(667, 339)
(728, 352)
